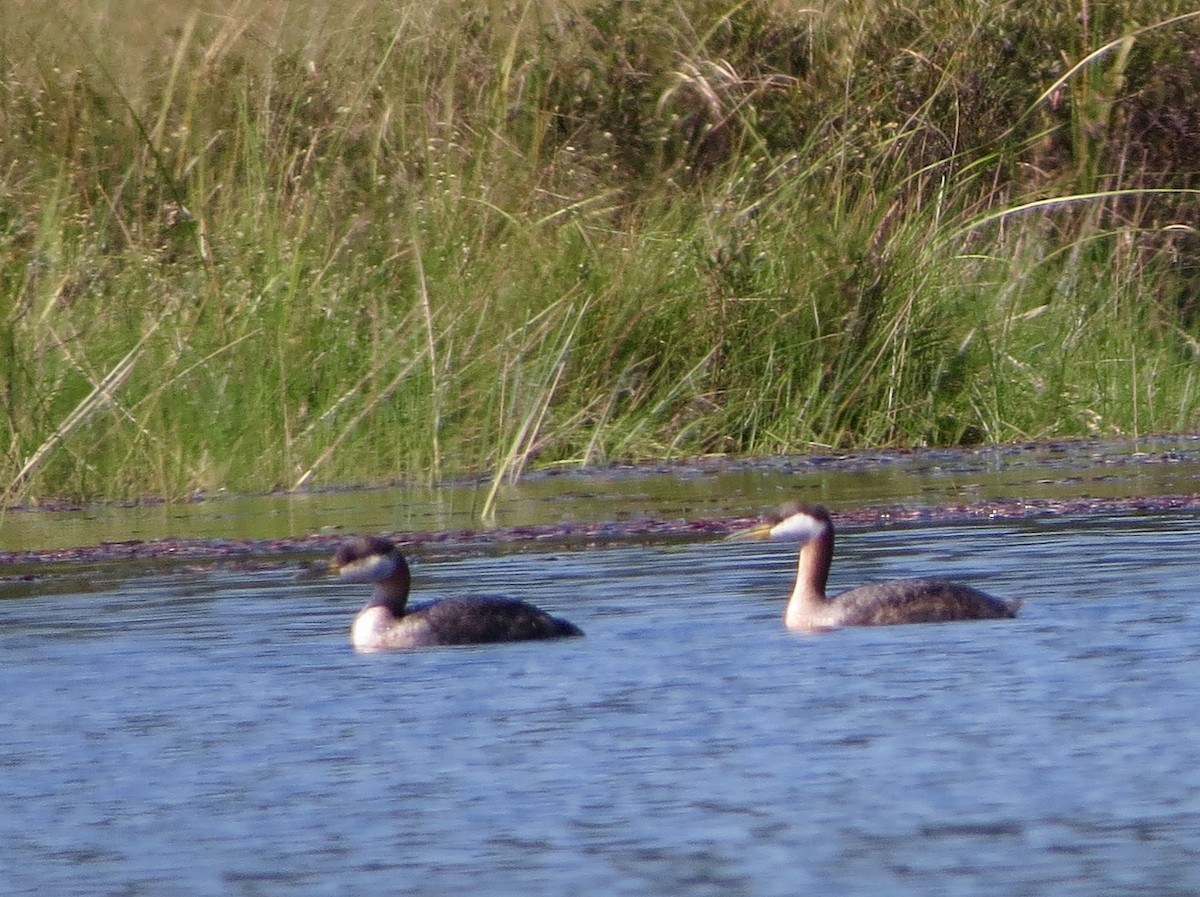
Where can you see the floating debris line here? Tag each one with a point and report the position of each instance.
(579, 534)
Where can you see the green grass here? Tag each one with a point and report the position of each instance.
(296, 244)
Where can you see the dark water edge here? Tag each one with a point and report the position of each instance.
(696, 498)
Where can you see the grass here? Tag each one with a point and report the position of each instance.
(274, 245)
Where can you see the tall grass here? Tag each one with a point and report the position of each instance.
(286, 244)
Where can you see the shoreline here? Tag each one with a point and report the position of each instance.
(578, 535)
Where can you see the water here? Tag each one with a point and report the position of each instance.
(714, 487)
(209, 732)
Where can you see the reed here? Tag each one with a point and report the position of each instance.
(302, 243)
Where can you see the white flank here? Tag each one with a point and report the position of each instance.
(369, 626)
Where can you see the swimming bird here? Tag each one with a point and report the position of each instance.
(876, 604)
(386, 623)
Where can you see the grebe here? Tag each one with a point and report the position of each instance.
(877, 604)
(384, 623)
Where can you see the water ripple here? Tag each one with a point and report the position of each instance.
(212, 733)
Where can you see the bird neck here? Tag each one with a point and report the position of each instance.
(812, 571)
(391, 593)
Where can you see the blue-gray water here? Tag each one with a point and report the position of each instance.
(211, 733)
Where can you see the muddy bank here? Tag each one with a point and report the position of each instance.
(689, 499)
(270, 552)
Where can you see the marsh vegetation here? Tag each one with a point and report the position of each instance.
(275, 244)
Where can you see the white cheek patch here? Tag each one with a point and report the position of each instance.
(798, 528)
(369, 569)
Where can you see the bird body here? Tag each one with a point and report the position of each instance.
(892, 603)
(474, 620)
(809, 609)
(386, 622)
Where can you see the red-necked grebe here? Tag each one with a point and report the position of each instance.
(386, 623)
(877, 604)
